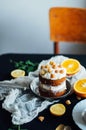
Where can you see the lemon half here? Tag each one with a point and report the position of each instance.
(58, 109)
(17, 73)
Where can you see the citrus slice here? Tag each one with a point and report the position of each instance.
(58, 109)
(17, 73)
(80, 87)
(72, 66)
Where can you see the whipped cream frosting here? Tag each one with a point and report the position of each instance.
(58, 88)
(52, 71)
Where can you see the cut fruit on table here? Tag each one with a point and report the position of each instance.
(17, 73)
(72, 66)
(57, 109)
(80, 87)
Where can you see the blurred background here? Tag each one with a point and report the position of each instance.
(24, 26)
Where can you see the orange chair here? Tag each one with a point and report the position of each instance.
(67, 25)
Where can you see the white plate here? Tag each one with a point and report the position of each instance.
(34, 88)
(76, 114)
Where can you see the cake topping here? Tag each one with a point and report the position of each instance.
(52, 71)
(54, 66)
(61, 71)
(53, 76)
(56, 71)
(42, 67)
(42, 72)
(51, 62)
(46, 66)
(49, 70)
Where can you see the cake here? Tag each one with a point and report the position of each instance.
(52, 80)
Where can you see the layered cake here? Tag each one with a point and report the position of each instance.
(52, 80)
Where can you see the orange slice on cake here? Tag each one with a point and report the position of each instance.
(80, 87)
(72, 66)
(17, 73)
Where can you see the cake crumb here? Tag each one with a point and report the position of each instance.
(60, 127)
(79, 98)
(41, 118)
(68, 102)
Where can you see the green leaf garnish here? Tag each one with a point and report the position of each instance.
(27, 66)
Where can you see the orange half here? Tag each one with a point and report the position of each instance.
(80, 87)
(72, 66)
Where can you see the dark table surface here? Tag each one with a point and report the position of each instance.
(50, 122)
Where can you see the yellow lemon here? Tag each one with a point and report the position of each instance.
(17, 73)
(58, 109)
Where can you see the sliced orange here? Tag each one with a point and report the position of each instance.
(80, 87)
(72, 66)
(17, 73)
(58, 109)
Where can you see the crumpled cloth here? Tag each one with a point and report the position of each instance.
(24, 105)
